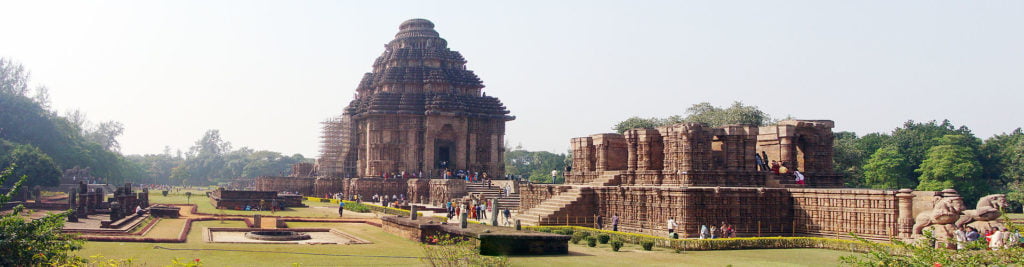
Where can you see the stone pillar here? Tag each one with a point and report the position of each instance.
(787, 152)
(257, 221)
(518, 225)
(494, 212)
(905, 221)
(73, 216)
(464, 220)
(631, 150)
(412, 212)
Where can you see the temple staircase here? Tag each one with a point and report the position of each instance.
(607, 178)
(781, 181)
(551, 209)
(494, 192)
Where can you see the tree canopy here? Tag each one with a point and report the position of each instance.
(704, 113)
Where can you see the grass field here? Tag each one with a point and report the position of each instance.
(387, 247)
(204, 205)
(390, 250)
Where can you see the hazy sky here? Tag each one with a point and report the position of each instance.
(267, 73)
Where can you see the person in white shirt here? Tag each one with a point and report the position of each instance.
(672, 225)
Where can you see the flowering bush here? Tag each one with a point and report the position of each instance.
(446, 250)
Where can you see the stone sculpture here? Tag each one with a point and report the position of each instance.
(946, 211)
(989, 209)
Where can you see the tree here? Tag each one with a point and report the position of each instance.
(1003, 159)
(702, 113)
(637, 122)
(33, 242)
(953, 164)
(884, 169)
(537, 166)
(736, 114)
(106, 134)
(33, 163)
(13, 78)
(848, 158)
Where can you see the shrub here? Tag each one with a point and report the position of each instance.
(577, 236)
(561, 232)
(647, 245)
(38, 242)
(591, 241)
(603, 238)
(357, 207)
(616, 245)
(164, 192)
(445, 250)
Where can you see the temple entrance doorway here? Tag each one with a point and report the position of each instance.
(443, 153)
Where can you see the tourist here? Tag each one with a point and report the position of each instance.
(483, 211)
(615, 222)
(775, 167)
(764, 161)
(998, 239)
(138, 210)
(508, 216)
(672, 225)
(961, 237)
(554, 174)
(799, 177)
(341, 208)
(714, 231)
(758, 162)
(599, 223)
(972, 234)
(783, 169)
(704, 232)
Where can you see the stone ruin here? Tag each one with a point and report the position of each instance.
(262, 200)
(84, 202)
(703, 175)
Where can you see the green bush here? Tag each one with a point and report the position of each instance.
(603, 238)
(591, 241)
(164, 192)
(356, 207)
(577, 236)
(647, 245)
(616, 245)
(722, 243)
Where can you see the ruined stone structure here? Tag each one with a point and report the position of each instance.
(263, 200)
(418, 110)
(703, 175)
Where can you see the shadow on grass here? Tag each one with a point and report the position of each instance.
(571, 254)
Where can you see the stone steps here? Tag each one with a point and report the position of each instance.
(549, 208)
(494, 192)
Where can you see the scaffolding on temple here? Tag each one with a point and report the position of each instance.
(335, 148)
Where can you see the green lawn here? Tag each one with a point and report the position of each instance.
(205, 205)
(388, 249)
(385, 245)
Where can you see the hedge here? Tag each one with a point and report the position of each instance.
(721, 243)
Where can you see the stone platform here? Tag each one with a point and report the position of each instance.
(493, 240)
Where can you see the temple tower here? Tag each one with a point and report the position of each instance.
(421, 110)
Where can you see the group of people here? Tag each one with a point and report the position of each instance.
(724, 231)
(392, 200)
(996, 238)
(475, 211)
(776, 167)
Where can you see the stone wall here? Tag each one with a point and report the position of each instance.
(869, 213)
(328, 186)
(872, 214)
(443, 190)
(367, 187)
(301, 185)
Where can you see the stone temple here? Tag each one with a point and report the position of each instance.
(418, 110)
